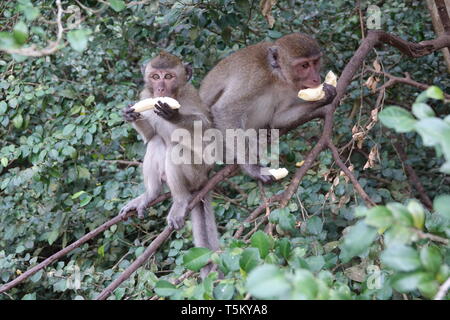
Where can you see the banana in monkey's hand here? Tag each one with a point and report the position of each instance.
(279, 173)
(149, 103)
(316, 94)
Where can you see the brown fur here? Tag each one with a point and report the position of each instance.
(255, 88)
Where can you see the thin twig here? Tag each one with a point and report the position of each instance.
(443, 290)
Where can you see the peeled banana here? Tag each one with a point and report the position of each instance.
(279, 173)
(316, 94)
(149, 103)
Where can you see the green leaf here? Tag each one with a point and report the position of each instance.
(441, 204)
(249, 259)
(224, 291)
(29, 296)
(261, 241)
(20, 32)
(315, 263)
(306, 287)
(27, 8)
(196, 258)
(86, 199)
(101, 251)
(422, 110)
(267, 281)
(435, 93)
(78, 39)
(379, 217)
(83, 173)
(164, 288)
(68, 129)
(52, 236)
(17, 121)
(416, 210)
(431, 258)
(4, 162)
(283, 247)
(428, 287)
(79, 193)
(400, 213)
(401, 258)
(314, 225)
(357, 240)
(397, 118)
(37, 276)
(432, 130)
(407, 282)
(3, 107)
(7, 40)
(117, 5)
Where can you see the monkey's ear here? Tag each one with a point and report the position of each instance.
(188, 69)
(144, 65)
(272, 55)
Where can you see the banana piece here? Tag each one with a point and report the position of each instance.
(149, 103)
(279, 173)
(316, 94)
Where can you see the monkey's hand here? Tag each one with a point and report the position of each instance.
(129, 114)
(163, 110)
(330, 93)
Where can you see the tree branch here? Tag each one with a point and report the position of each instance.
(31, 51)
(406, 80)
(412, 176)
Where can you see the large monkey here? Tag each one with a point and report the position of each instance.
(256, 87)
(165, 75)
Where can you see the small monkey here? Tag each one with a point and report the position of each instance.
(166, 75)
(257, 86)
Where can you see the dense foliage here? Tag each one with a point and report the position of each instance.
(62, 134)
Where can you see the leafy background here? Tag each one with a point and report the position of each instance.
(62, 134)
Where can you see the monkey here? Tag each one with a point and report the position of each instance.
(256, 87)
(166, 75)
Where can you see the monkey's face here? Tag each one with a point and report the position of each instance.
(305, 72)
(163, 82)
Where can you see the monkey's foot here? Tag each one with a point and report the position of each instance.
(138, 204)
(254, 171)
(175, 220)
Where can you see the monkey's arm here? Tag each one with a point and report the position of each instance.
(139, 122)
(285, 118)
(181, 120)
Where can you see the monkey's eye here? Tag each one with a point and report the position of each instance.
(168, 76)
(305, 66)
(155, 77)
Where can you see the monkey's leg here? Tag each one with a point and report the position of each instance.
(181, 195)
(153, 176)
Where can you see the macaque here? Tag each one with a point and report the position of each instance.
(166, 76)
(257, 87)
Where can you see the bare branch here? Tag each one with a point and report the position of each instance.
(393, 80)
(443, 290)
(412, 176)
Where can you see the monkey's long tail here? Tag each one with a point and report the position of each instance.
(204, 226)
